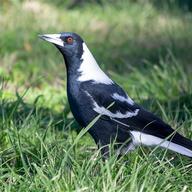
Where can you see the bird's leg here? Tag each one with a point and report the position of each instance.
(105, 153)
(120, 151)
(123, 150)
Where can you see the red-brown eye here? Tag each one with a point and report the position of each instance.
(69, 40)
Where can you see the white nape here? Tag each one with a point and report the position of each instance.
(123, 99)
(150, 140)
(53, 38)
(104, 111)
(90, 70)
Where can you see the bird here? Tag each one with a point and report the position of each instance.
(92, 93)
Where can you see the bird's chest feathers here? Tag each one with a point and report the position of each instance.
(79, 102)
(73, 92)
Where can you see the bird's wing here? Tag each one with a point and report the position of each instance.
(145, 127)
(112, 102)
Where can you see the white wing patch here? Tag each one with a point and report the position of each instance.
(123, 99)
(118, 114)
(150, 140)
(90, 70)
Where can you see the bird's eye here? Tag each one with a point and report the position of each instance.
(69, 40)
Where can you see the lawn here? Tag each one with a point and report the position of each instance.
(143, 46)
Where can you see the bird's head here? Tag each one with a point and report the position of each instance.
(78, 58)
(68, 43)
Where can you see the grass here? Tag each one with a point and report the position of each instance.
(144, 48)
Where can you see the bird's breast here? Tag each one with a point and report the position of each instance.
(80, 104)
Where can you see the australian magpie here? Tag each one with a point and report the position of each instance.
(91, 93)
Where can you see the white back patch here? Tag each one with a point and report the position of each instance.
(118, 114)
(150, 140)
(90, 70)
(123, 99)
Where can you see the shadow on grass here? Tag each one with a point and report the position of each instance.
(135, 52)
(180, 107)
(184, 5)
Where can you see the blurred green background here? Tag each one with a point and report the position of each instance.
(121, 34)
(144, 45)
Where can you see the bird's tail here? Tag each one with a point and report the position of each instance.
(175, 142)
(181, 145)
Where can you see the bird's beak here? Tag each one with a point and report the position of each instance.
(53, 38)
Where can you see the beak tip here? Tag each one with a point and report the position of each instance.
(40, 36)
(52, 38)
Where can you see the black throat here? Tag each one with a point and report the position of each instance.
(73, 62)
(72, 65)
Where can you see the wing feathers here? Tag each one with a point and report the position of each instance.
(145, 127)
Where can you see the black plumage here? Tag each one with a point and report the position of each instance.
(90, 92)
